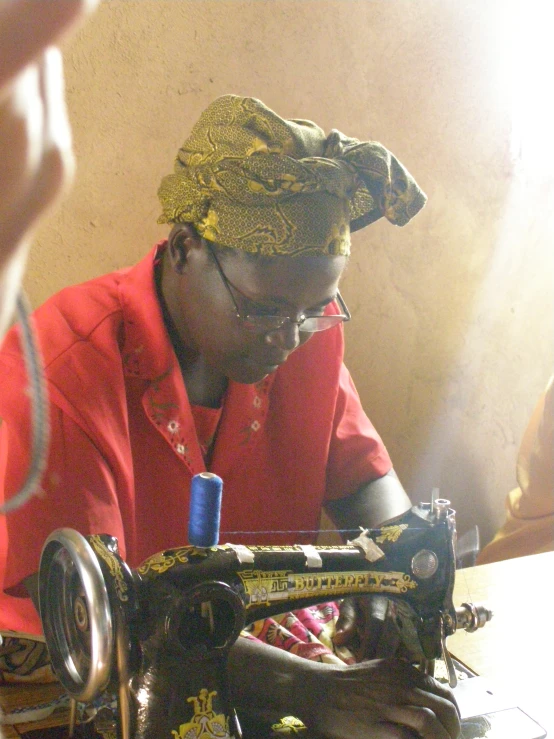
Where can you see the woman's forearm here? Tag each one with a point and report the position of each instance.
(268, 682)
(374, 502)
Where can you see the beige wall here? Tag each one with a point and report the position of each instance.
(451, 341)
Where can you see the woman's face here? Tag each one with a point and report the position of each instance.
(205, 315)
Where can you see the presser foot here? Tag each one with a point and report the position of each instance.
(452, 677)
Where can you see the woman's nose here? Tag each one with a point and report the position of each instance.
(287, 337)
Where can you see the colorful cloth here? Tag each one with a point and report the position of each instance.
(248, 179)
(24, 658)
(307, 633)
(529, 525)
(124, 445)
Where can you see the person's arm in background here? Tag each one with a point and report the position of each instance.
(529, 525)
(35, 137)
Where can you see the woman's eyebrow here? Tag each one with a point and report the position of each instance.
(327, 301)
(267, 300)
(318, 306)
(323, 303)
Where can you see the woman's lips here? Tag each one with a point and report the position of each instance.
(269, 361)
(275, 361)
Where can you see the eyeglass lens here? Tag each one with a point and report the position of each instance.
(311, 324)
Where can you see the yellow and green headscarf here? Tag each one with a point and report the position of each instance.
(248, 179)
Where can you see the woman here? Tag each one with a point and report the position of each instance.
(222, 350)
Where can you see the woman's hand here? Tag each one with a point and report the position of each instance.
(367, 629)
(360, 626)
(379, 699)
(35, 136)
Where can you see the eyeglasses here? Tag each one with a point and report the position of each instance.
(264, 323)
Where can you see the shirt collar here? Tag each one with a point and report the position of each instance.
(147, 351)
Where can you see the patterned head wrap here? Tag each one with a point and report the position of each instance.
(248, 179)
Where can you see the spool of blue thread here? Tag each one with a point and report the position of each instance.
(205, 509)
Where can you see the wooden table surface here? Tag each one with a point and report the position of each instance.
(515, 650)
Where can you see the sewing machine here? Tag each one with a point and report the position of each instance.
(158, 637)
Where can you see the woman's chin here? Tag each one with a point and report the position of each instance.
(250, 373)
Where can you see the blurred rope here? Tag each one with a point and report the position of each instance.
(39, 409)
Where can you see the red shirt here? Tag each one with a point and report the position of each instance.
(124, 444)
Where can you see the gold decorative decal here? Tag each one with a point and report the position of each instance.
(390, 533)
(264, 586)
(277, 548)
(114, 566)
(289, 725)
(296, 548)
(163, 561)
(205, 724)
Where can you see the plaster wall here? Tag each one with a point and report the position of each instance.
(452, 337)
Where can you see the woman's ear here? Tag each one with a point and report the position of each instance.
(181, 240)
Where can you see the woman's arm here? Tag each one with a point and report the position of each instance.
(378, 698)
(374, 502)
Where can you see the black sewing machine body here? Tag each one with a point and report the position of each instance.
(416, 569)
(159, 635)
